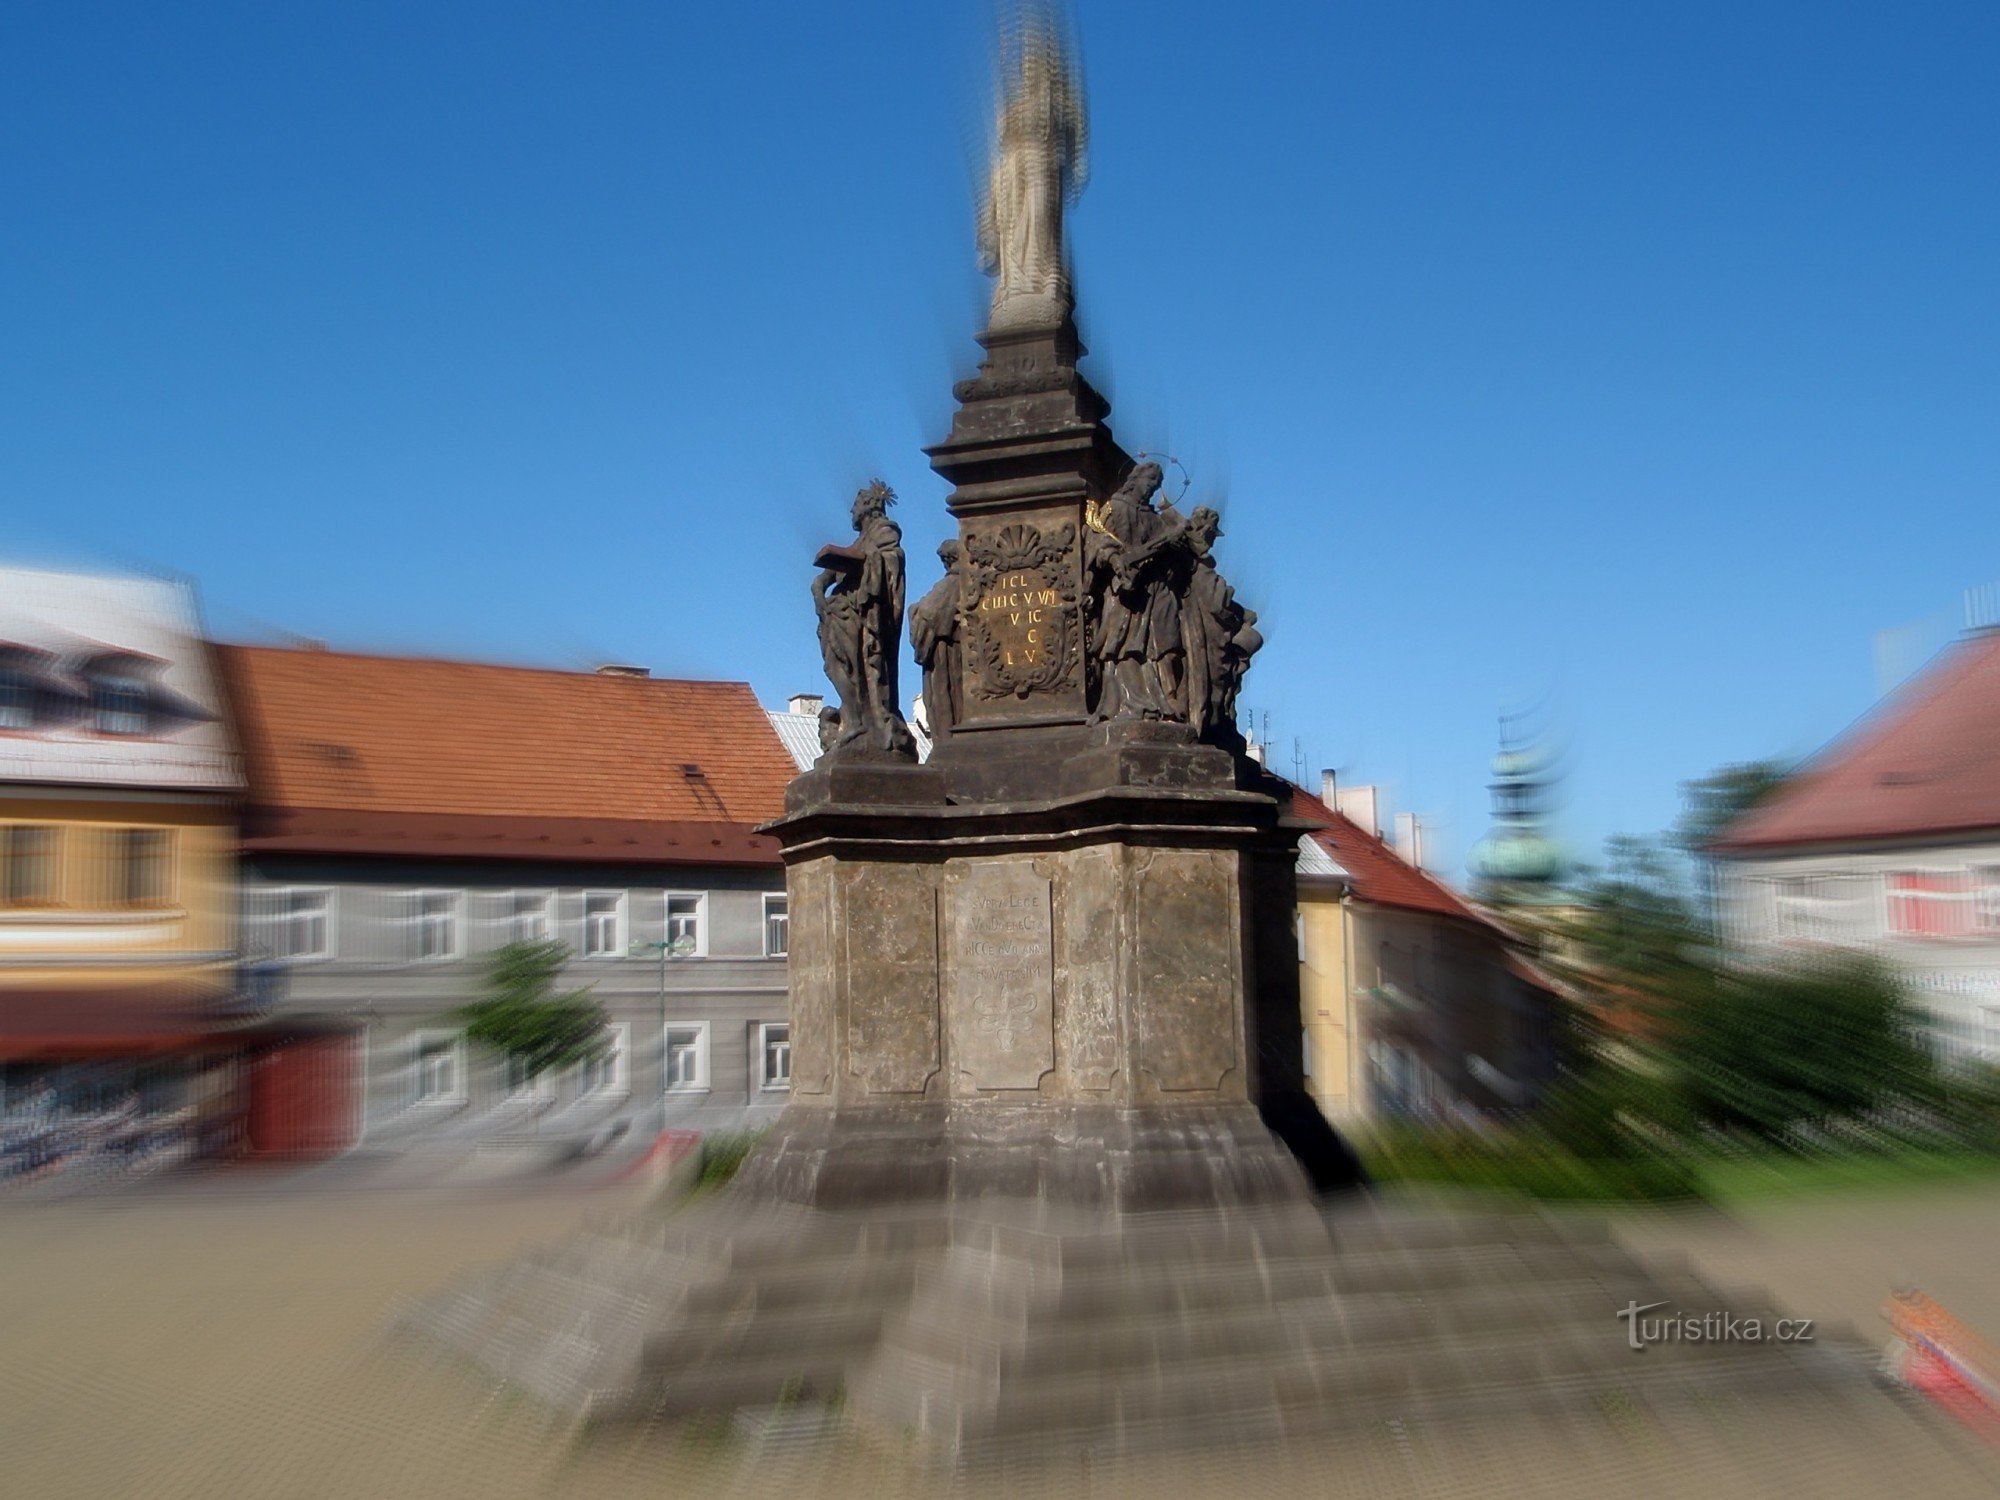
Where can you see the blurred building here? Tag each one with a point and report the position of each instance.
(1888, 841)
(407, 817)
(118, 781)
(1414, 1003)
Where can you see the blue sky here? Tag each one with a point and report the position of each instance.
(1638, 361)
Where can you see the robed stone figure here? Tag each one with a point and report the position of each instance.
(1040, 163)
(934, 640)
(1220, 635)
(1134, 558)
(858, 595)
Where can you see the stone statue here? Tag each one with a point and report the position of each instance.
(1132, 556)
(1040, 164)
(934, 638)
(1219, 634)
(858, 596)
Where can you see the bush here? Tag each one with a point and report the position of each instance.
(1780, 1055)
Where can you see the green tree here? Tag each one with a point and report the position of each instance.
(1766, 1051)
(524, 1017)
(1636, 930)
(1709, 804)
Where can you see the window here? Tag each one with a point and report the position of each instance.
(146, 866)
(522, 1085)
(603, 924)
(684, 938)
(611, 1072)
(434, 925)
(1930, 903)
(17, 700)
(774, 1050)
(437, 1068)
(777, 926)
(528, 917)
(1986, 900)
(687, 1058)
(301, 926)
(31, 865)
(1818, 908)
(120, 704)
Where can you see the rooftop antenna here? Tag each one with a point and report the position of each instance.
(1982, 607)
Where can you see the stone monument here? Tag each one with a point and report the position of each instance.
(1047, 1169)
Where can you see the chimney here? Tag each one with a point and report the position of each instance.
(808, 704)
(1255, 751)
(1358, 805)
(1329, 789)
(1410, 840)
(615, 669)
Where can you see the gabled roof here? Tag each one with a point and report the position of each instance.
(1375, 871)
(1926, 762)
(380, 754)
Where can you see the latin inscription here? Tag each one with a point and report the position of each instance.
(1021, 611)
(1002, 974)
(1018, 614)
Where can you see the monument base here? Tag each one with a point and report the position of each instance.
(998, 1325)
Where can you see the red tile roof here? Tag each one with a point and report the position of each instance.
(1926, 762)
(1379, 874)
(380, 754)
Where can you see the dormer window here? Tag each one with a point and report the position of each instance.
(119, 703)
(17, 699)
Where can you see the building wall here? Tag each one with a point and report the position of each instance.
(1943, 941)
(92, 924)
(1411, 1012)
(374, 971)
(1326, 1002)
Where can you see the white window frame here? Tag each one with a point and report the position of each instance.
(512, 920)
(764, 1083)
(617, 1080)
(417, 919)
(118, 699)
(281, 916)
(621, 906)
(700, 898)
(17, 700)
(1961, 915)
(540, 1089)
(699, 1084)
(781, 899)
(1986, 900)
(455, 1041)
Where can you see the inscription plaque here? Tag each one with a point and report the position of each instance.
(1002, 973)
(1188, 979)
(1021, 607)
(889, 923)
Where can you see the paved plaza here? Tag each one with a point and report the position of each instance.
(226, 1336)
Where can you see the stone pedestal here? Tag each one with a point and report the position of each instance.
(1044, 1008)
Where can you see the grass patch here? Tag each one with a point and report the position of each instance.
(1776, 1174)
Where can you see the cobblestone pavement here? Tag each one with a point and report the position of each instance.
(227, 1338)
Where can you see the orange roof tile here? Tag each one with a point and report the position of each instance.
(336, 732)
(1379, 874)
(1926, 762)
